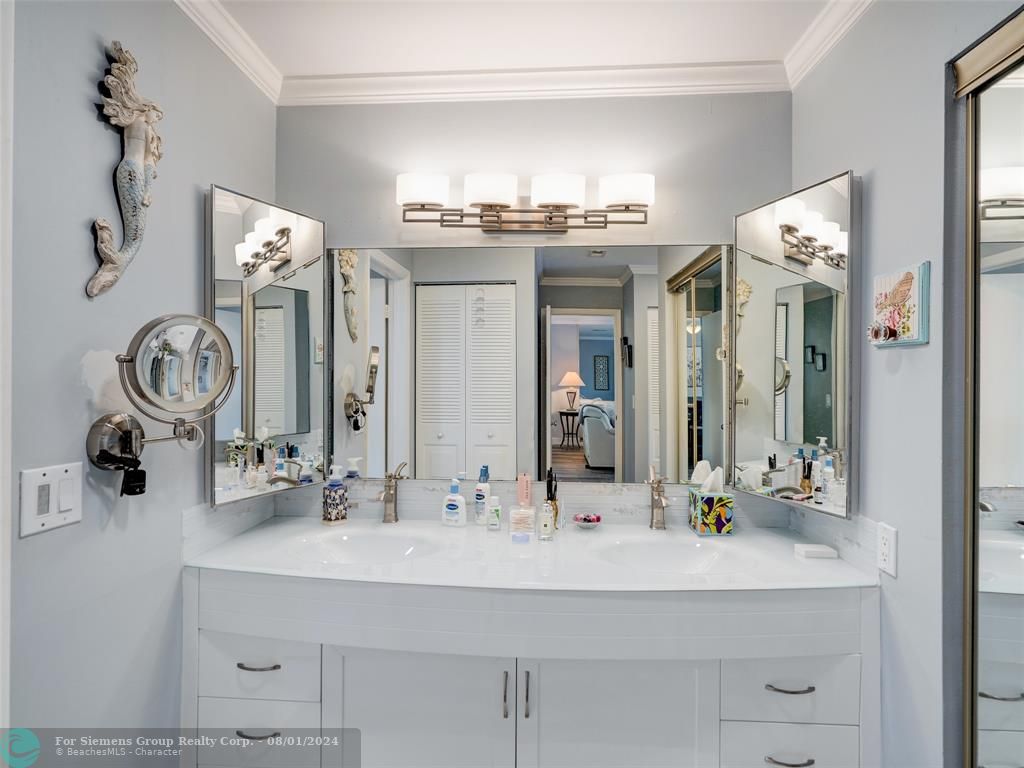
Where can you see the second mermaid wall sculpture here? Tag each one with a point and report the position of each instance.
(137, 117)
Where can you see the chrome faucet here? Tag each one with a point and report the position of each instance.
(659, 501)
(242, 453)
(390, 494)
(286, 478)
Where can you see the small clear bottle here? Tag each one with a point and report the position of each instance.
(494, 514)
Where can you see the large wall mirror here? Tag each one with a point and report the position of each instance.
(792, 329)
(523, 358)
(270, 292)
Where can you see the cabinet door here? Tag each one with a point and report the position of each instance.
(440, 381)
(421, 710)
(610, 714)
(491, 380)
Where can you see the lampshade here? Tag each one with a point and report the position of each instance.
(571, 379)
(621, 189)
(790, 213)
(430, 189)
(264, 229)
(551, 190)
(843, 243)
(243, 253)
(496, 189)
(828, 234)
(811, 226)
(1001, 183)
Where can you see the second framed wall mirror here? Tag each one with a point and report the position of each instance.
(793, 295)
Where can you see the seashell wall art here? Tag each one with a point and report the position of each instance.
(901, 307)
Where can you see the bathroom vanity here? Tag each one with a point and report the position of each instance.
(457, 647)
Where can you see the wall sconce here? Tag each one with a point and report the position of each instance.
(268, 243)
(1001, 193)
(807, 237)
(557, 200)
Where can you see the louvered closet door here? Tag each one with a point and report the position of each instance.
(268, 370)
(440, 381)
(491, 380)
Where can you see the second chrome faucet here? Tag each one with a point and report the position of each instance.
(390, 494)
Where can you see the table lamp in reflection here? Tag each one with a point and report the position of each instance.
(574, 382)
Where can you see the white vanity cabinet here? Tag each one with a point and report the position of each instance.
(460, 677)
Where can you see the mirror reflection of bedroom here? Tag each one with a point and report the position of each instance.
(584, 394)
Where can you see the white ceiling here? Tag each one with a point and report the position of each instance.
(373, 51)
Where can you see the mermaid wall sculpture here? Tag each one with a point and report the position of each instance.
(143, 149)
(348, 260)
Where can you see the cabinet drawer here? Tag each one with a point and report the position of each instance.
(290, 719)
(756, 745)
(1000, 692)
(273, 669)
(779, 690)
(999, 748)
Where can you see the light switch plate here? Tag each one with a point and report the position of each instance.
(887, 549)
(50, 497)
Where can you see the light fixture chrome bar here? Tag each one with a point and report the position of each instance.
(806, 250)
(275, 252)
(495, 219)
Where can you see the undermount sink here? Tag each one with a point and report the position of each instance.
(1002, 563)
(674, 556)
(342, 547)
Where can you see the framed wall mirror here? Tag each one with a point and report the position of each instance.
(269, 289)
(525, 358)
(792, 333)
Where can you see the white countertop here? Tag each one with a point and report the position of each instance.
(614, 557)
(1001, 562)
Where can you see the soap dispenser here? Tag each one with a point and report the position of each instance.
(454, 510)
(335, 498)
(481, 494)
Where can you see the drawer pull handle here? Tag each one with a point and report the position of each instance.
(247, 668)
(789, 692)
(268, 737)
(526, 709)
(991, 697)
(504, 698)
(805, 764)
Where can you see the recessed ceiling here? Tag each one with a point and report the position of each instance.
(360, 51)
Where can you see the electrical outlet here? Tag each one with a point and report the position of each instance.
(887, 549)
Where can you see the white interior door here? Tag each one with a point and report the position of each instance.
(376, 428)
(653, 391)
(440, 381)
(491, 380)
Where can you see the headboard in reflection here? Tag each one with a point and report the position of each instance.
(794, 268)
(270, 292)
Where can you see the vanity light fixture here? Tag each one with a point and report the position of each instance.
(268, 243)
(1001, 193)
(807, 237)
(557, 201)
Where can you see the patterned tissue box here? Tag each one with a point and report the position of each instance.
(710, 513)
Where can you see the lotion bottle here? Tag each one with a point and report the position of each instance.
(828, 477)
(494, 514)
(481, 494)
(454, 510)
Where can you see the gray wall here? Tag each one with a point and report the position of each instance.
(96, 607)
(876, 105)
(713, 156)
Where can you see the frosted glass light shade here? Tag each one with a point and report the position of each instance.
(621, 189)
(828, 234)
(264, 229)
(843, 243)
(496, 189)
(551, 190)
(571, 379)
(429, 189)
(253, 242)
(790, 213)
(242, 253)
(1001, 183)
(811, 226)
(281, 219)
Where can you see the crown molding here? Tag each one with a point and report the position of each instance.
(512, 85)
(226, 33)
(827, 29)
(643, 269)
(582, 282)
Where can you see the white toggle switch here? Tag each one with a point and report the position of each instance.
(50, 497)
